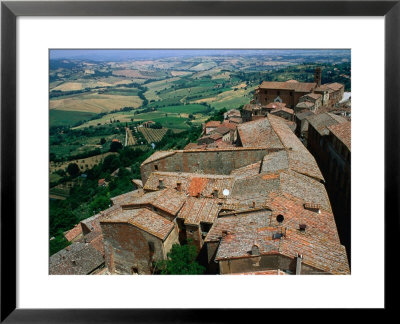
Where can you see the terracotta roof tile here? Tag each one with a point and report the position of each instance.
(76, 259)
(198, 210)
(321, 122)
(295, 86)
(73, 233)
(259, 133)
(342, 132)
(192, 183)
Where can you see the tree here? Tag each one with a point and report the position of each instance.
(115, 146)
(73, 169)
(102, 141)
(181, 260)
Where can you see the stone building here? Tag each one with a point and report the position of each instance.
(329, 141)
(293, 92)
(283, 112)
(288, 92)
(302, 125)
(314, 98)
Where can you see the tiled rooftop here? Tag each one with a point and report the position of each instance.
(275, 161)
(76, 259)
(259, 133)
(168, 200)
(74, 232)
(305, 188)
(127, 197)
(198, 210)
(305, 104)
(314, 96)
(275, 105)
(158, 155)
(335, 86)
(144, 219)
(300, 159)
(295, 86)
(247, 171)
(191, 183)
(213, 123)
(321, 122)
(287, 110)
(342, 132)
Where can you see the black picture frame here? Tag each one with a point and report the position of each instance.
(10, 10)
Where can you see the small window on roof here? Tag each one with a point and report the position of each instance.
(280, 218)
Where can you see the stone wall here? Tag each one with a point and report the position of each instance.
(200, 161)
(127, 249)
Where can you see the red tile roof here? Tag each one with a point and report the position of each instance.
(213, 123)
(191, 183)
(198, 210)
(73, 233)
(294, 86)
(258, 133)
(342, 132)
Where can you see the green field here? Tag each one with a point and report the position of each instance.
(67, 118)
(188, 109)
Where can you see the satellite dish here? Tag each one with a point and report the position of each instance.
(225, 192)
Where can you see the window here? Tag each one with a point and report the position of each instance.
(279, 92)
(156, 167)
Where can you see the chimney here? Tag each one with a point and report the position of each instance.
(317, 76)
(215, 193)
(302, 227)
(225, 233)
(299, 258)
(161, 184)
(179, 186)
(313, 207)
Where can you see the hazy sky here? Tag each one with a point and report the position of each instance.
(127, 54)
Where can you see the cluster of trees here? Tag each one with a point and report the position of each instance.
(178, 141)
(181, 259)
(218, 115)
